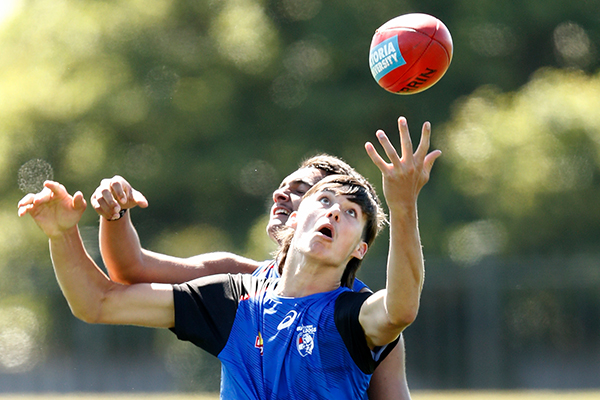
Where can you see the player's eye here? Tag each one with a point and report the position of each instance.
(300, 189)
(300, 192)
(325, 200)
(352, 212)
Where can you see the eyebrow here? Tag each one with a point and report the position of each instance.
(347, 197)
(295, 182)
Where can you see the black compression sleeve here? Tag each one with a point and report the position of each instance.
(347, 310)
(205, 310)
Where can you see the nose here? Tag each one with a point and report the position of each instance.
(280, 195)
(334, 212)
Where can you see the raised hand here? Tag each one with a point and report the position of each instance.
(405, 175)
(115, 194)
(53, 209)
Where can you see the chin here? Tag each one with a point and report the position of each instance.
(273, 228)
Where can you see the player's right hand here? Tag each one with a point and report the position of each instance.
(115, 194)
(53, 209)
(407, 172)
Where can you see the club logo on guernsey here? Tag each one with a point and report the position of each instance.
(305, 341)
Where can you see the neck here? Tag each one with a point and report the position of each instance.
(303, 277)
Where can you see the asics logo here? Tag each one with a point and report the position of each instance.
(288, 320)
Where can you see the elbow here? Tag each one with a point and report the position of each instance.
(85, 314)
(92, 310)
(400, 321)
(123, 277)
(409, 318)
(391, 329)
(127, 273)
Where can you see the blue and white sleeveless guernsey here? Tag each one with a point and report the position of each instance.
(270, 269)
(274, 347)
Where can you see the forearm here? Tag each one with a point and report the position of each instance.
(121, 250)
(94, 298)
(405, 270)
(127, 262)
(83, 284)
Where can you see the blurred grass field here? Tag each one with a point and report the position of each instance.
(416, 395)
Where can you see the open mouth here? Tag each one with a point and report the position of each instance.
(281, 211)
(326, 231)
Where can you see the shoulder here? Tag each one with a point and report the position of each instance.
(206, 308)
(360, 286)
(349, 303)
(346, 313)
(347, 310)
(230, 287)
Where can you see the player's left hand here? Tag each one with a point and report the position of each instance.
(53, 209)
(404, 177)
(115, 194)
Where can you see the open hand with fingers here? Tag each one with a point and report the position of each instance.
(405, 175)
(116, 194)
(53, 209)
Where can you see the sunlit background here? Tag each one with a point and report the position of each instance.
(205, 105)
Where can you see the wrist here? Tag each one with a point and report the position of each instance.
(403, 211)
(121, 214)
(64, 235)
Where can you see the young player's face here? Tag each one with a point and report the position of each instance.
(288, 196)
(329, 227)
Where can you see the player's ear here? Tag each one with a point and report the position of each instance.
(361, 250)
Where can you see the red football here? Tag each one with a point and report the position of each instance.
(410, 53)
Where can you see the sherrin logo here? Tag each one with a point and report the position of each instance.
(305, 341)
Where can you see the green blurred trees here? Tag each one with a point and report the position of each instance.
(528, 164)
(206, 105)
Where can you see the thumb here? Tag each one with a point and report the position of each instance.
(79, 201)
(139, 198)
(430, 159)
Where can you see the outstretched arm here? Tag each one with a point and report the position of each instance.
(385, 314)
(125, 259)
(92, 296)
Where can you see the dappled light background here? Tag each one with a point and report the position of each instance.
(205, 106)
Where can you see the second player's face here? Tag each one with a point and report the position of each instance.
(287, 198)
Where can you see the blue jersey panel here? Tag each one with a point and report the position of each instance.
(297, 347)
